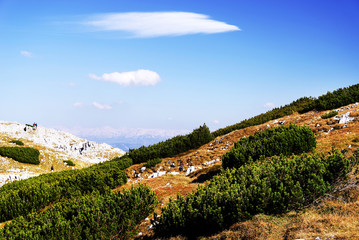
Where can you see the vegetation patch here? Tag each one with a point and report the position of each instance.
(110, 216)
(69, 163)
(330, 100)
(22, 197)
(153, 162)
(329, 114)
(21, 154)
(275, 141)
(335, 99)
(274, 186)
(17, 142)
(296, 106)
(173, 146)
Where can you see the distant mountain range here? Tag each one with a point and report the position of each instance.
(126, 143)
(124, 138)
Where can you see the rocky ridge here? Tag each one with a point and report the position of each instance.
(55, 147)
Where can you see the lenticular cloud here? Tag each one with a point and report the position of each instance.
(135, 78)
(156, 24)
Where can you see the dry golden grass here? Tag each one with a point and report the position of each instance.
(312, 222)
(336, 216)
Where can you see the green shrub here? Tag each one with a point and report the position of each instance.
(17, 142)
(153, 162)
(274, 186)
(110, 216)
(274, 141)
(296, 106)
(329, 114)
(69, 163)
(23, 197)
(338, 98)
(21, 154)
(173, 146)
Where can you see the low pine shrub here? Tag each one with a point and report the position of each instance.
(153, 162)
(330, 100)
(110, 216)
(23, 197)
(329, 114)
(69, 163)
(21, 154)
(273, 186)
(17, 142)
(274, 141)
(172, 146)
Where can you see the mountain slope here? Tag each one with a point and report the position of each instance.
(54, 146)
(341, 132)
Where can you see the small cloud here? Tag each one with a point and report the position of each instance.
(72, 84)
(170, 118)
(157, 24)
(135, 78)
(26, 54)
(269, 105)
(216, 121)
(78, 104)
(101, 106)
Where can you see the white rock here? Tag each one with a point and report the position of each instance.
(208, 163)
(70, 145)
(191, 169)
(345, 118)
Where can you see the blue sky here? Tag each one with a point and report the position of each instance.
(112, 68)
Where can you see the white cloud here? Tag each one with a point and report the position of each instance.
(269, 105)
(156, 24)
(134, 78)
(72, 84)
(78, 104)
(26, 54)
(101, 106)
(216, 121)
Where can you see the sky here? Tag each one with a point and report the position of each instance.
(114, 68)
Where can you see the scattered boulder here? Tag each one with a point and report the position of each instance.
(345, 118)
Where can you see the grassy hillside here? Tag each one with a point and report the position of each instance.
(317, 186)
(328, 133)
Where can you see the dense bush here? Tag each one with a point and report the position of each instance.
(335, 99)
(329, 114)
(21, 154)
(271, 187)
(22, 197)
(274, 141)
(339, 98)
(17, 142)
(69, 163)
(110, 216)
(275, 113)
(153, 162)
(172, 147)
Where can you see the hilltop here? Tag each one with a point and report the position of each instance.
(55, 147)
(340, 132)
(313, 195)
